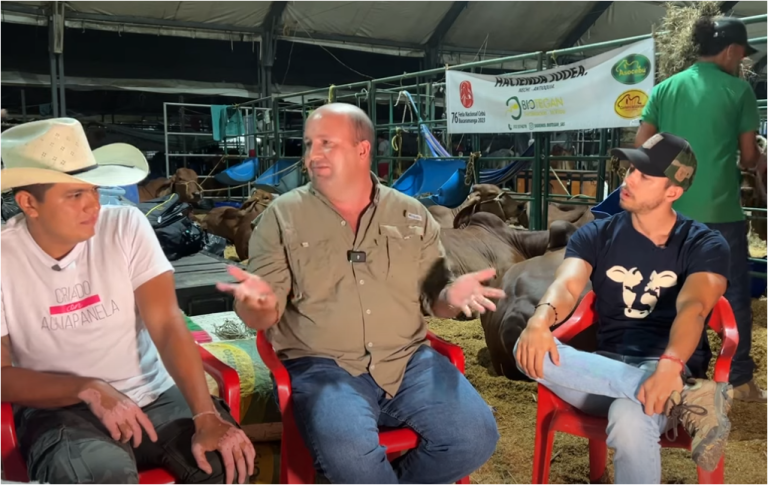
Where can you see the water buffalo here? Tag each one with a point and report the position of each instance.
(525, 284)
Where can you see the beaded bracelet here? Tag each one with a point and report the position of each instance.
(550, 306)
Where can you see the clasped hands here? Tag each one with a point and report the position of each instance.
(124, 420)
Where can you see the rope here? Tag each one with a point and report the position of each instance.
(561, 182)
(397, 145)
(470, 175)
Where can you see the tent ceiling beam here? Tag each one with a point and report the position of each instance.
(446, 23)
(581, 28)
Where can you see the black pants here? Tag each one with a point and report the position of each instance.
(70, 445)
(739, 295)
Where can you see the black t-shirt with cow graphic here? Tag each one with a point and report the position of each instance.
(637, 282)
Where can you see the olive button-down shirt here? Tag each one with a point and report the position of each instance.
(365, 315)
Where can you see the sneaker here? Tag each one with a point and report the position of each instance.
(702, 409)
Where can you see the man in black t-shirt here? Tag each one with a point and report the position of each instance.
(657, 276)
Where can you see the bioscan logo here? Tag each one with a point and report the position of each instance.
(514, 109)
(465, 93)
(632, 69)
(630, 103)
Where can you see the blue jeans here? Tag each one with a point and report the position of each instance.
(338, 416)
(739, 295)
(607, 385)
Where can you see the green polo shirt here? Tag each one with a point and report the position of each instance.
(710, 109)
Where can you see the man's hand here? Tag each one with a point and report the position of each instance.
(656, 390)
(533, 345)
(468, 294)
(117, 412)
(214, 434)
(255, 300)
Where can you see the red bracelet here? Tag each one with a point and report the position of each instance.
(674, 359)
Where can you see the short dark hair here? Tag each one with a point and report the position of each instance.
(35, 190)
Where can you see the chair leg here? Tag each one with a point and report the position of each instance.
(542, 449)
(296, 466)
(598, 457)
(715, 476)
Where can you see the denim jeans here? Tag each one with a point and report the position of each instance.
(338, 417)
(739, 295)
(607, 385)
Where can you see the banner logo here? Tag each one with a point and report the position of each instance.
(630, 103)
(514, 110)
(465, 92)
(632, 69)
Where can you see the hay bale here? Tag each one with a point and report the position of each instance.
(676, 50)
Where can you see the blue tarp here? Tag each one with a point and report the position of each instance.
(609, 206)
(427, 175)
(239, 174)
(280, 177)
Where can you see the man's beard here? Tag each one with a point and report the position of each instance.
(642, 208)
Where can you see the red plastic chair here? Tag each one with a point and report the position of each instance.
(554, 414)
(295, 461)
(15, 469)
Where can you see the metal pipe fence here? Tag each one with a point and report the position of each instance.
(591, 176)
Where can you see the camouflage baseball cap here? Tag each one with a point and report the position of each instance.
(663, 155)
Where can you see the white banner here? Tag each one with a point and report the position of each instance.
(605, 91)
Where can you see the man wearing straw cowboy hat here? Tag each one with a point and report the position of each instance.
(708, 105)
(90, 322)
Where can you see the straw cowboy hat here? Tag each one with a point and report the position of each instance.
(56, 151)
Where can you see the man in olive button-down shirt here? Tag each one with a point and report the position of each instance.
(340, 271)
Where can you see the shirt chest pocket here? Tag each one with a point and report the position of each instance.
(314, 268)
(403, 246)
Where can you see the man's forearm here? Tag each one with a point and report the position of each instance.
(686, 332)
(555, 305)
(181, 357)
(41, 389)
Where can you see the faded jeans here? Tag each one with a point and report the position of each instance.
(606, 385)
(338, 417)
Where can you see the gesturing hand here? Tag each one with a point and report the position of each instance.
(214, 434)
(117, 412)
(655, 391)
(250, 290)
(254, 298)
(468, 293)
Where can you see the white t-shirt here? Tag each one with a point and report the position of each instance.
(82, 318)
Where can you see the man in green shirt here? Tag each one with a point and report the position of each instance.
(716, 111)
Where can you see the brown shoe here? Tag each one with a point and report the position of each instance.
(749, 392)
(703, 410)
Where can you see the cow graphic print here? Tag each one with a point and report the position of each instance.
(631, 279)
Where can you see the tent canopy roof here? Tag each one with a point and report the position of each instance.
(463, 30)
